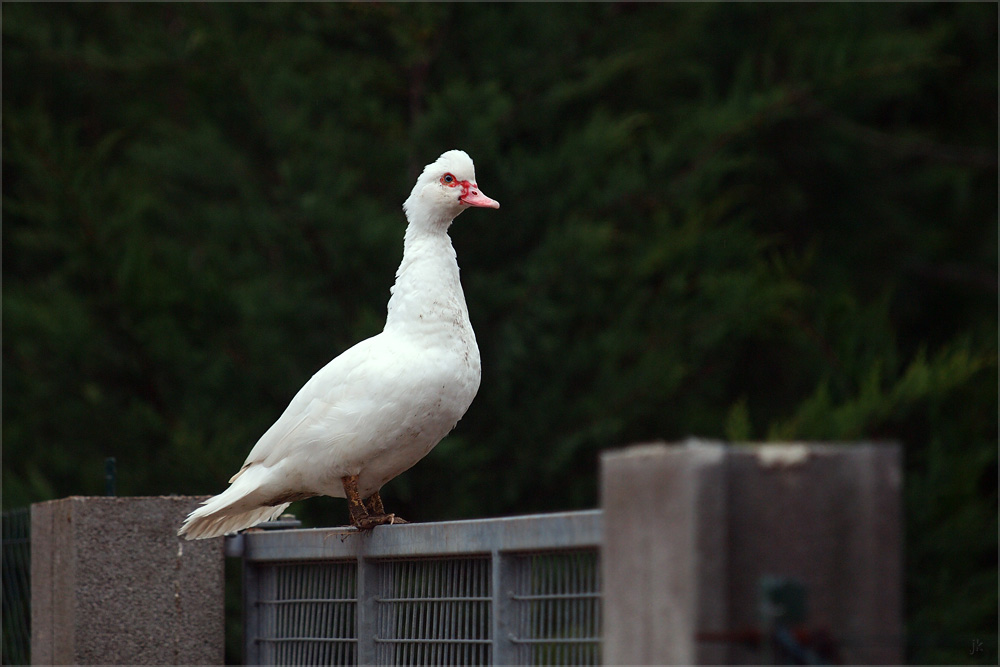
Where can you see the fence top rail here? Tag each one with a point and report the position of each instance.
(537, 532)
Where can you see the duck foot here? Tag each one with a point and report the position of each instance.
(365, 515)
(374, 505)
(369, 522)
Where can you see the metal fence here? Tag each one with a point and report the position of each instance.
(522, 590)
(16, 567)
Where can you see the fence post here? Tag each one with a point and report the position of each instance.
(111, 583)
(252, 622)
(504, 650)
(368, 592)
(695, 534)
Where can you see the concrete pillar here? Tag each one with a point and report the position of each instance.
(111, 583)
(692, 533)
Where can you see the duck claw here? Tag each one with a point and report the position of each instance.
(369, 522)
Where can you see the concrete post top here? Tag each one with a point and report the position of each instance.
(768, 453)
(123, 499)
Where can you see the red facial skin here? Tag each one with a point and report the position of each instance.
(454, 182)
(477, 198)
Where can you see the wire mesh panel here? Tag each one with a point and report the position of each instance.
(556, 608)
(511, 590)
(434, 612)
(307, 614)
(16, 586)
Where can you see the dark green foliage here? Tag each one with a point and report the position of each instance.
(732, 221)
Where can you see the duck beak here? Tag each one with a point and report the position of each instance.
(473, 197)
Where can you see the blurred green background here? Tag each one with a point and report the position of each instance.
(738, 221)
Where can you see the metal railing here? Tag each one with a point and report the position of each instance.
(521, 590)
(16, 566)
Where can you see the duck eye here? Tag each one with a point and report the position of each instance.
(447, 179)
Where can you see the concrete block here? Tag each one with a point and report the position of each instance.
(112, 584)
(691, 530)
(655, 556)
(831, 517)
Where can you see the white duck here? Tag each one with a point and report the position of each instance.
(382, 405)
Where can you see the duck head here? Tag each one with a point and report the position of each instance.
(445, 188)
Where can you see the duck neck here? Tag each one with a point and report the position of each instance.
(427, 291)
